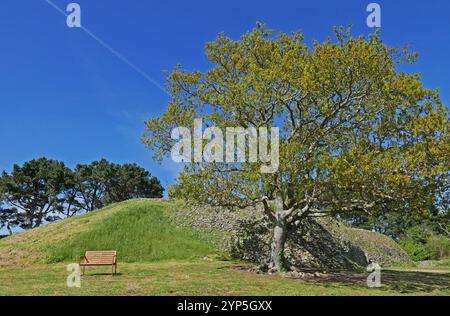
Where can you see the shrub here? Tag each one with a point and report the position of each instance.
(439, 246)
(417, 251)
(422, 244)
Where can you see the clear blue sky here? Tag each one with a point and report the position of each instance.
(64, 96)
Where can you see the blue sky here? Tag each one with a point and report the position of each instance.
(64, 96)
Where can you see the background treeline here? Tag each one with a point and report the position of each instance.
(44, 190)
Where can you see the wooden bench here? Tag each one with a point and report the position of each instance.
(99, 258)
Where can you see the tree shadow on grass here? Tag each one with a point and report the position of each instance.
(311, 245)
(404, 282)
(409, 282)
(322, 250)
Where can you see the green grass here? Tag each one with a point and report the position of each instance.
(141, 232)
(209, 277)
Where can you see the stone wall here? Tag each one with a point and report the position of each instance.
(317, 243)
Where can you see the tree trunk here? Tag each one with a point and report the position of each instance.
(8, 227)
(29, 221)
(277, 258)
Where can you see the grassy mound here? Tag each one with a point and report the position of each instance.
(322, 243)
(138, 229)
(154, 230)
(376, 247)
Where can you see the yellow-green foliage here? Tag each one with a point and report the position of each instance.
(357, 134)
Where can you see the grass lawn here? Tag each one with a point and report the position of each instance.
(209, 277)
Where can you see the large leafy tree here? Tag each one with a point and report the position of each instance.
(91, 182)
(132, 181)
(72, 204)
(34, 190)
(357, 134)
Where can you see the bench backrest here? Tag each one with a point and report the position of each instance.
(101, 257)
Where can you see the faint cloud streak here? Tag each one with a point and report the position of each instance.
(112, 50)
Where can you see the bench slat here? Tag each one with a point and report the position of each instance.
(99, 258)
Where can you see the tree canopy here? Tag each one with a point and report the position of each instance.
(358, 136)
(43, 190)
(101, 183)
(34, 189)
